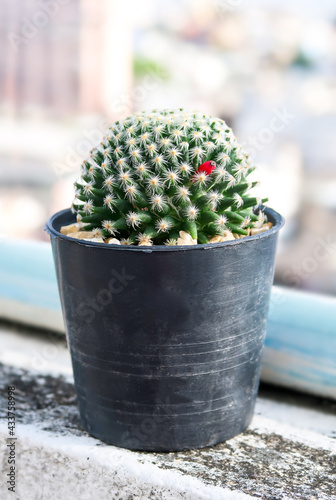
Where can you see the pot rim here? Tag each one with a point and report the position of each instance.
(277, 219)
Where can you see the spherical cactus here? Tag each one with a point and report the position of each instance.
(159, 173)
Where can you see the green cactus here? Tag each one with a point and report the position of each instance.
(144, 182)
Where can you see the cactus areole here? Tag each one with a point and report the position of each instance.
(158, 173)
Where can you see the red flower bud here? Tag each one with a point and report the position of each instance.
(208, 167)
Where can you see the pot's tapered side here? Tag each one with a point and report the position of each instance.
(165, 342)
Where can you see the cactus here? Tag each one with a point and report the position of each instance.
(156, 174)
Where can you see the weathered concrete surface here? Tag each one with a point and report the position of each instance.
(289, 452)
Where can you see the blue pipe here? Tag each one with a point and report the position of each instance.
(300, 346)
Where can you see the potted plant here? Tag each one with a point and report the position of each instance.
(165, 265)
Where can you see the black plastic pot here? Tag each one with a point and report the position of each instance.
(166, 342)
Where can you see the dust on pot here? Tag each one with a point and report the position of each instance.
(166, 330)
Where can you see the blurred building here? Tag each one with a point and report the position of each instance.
(268, 67)
(57, 57)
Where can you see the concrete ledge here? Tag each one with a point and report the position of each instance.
(289, 451)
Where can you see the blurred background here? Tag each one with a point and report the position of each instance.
(268, 67)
